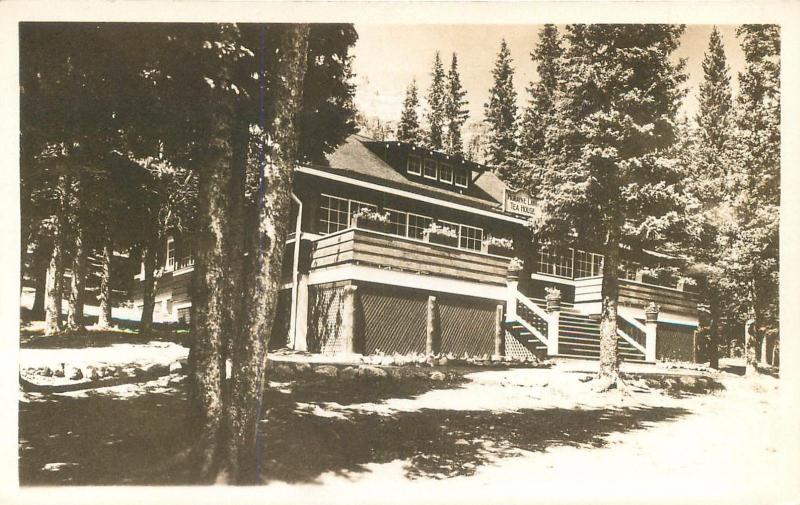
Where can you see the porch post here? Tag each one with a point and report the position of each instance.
(512, 284)
(433, 328)
(651, 325)
(348, 333)
(499, 332)
(301, 314)
(553, 300)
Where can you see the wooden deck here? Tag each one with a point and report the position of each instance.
(637, 294)
(365, 247)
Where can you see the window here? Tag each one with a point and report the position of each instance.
(170, 263)
(448, 224)
(334, 214)
(416, 224)
(414, 165)
(462, 177)
(470, 238)
(355, 206)
(430, 169)
(628, 270)
(398, 222)
(555, 263)
(185, 256)
(588, 264)
(446, 173)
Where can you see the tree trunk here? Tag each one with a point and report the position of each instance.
(39, 275)
(766, 348)
(150, 261)
(53, 283)
(750, 345)
(75, 306)
(274, 203)
(713, 330)
(209, 300)
(609, 355)
(104, 318)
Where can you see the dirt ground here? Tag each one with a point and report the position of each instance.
(691, 438)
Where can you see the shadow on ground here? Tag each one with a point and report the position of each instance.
(106, 440)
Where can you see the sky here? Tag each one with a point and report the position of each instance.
(388, 57)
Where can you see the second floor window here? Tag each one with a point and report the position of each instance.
(446, 173)
(414, 165)
(461, 177)
(429, 170)
(334, 214)
(170, 262)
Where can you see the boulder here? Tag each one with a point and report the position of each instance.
(688, 381)
(73, 373)
(372, 371)
(327, 371)
(59, 372)
(91, 372)
(437, 376)
(302, 367)
(442, 361)
(350, 372)
(47, 371)
(282, 370)
(176, 367)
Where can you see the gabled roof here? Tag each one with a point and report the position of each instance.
(355, 159)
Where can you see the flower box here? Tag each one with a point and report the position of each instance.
(443, 240)
(443, 235)
(498, 246)
(368, 219)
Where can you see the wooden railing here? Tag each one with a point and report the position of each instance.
(532, 317)
(637, 294)
(366, 247)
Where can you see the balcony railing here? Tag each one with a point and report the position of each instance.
(382, 250)
(638, 294)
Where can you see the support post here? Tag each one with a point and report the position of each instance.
(300, 331)
(553, 300)
(432, 328)
(651, 327)
(512, 285)
(499, 332)
(348, 332)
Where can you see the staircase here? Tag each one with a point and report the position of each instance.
(578, 334)
(579, 337)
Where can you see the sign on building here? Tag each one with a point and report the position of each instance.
(518, 202)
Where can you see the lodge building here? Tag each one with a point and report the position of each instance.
(399, 249)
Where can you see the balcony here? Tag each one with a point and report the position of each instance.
(376, 249)
(637, 295)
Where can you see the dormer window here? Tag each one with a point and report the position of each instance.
(429, 170)
(462, 177)
(446, 173)
(414, 165)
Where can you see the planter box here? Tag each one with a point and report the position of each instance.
(499, 251)
(435, 238)
(368, 224)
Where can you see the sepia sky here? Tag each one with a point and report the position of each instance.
(388, 57)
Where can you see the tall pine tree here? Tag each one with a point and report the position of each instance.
(456, 113)
(752, 261)
(538, 113)
(611, 179)
(501, 111)
(408, 130)
(436, 103)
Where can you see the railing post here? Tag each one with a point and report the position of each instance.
(499, 332)
(300, 331)
(651, 326)
(512, 286)
(553, 299)
(433, 328)
(348, 333)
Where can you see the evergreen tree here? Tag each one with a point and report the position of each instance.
(456, 113)
(408, 130)
(707, 154)
(611, 178)
(436, 103)
(538, 114)
(501, 110)
(752, 262)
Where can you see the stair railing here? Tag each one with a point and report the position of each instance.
(522, 310)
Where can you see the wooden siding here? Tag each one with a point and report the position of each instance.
(634, 294)
(365, 247)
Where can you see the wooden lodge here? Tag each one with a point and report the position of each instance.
(398, 249)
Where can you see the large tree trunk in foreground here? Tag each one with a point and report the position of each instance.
(53, 283)
(39, 274)
(609, 356)
(75, 306)
(274, 203)
(104, 318)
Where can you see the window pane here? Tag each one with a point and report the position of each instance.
(416, 224)
(430, 169)
(333, 214)
(445, 173)
(470, 238)
(398, 222)
(461, 177)
(414, 165)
